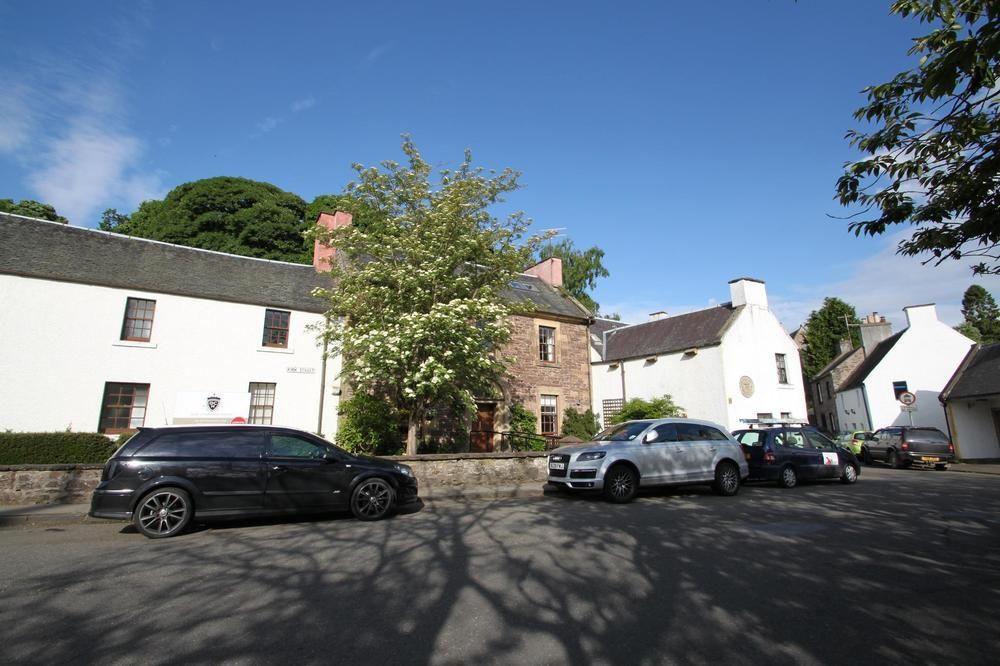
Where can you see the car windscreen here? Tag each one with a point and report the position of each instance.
(623, 432)
(925, 435)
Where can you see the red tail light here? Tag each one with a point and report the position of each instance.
(905, 446)
(769, 458)
(951, 447)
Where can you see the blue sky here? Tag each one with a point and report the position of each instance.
(693, 142)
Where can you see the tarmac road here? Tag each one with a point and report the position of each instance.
(903, 566)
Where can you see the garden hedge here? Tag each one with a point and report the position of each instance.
(54, 448)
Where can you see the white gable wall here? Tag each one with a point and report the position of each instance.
(748, 348)
(61, 342)
(926, 356)
(852, 413)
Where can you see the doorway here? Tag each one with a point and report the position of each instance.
(996, 424)
(481, 437)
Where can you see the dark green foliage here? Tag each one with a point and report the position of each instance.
(30, 208)
(824, 331)
(576, 424)
(227, 214)
(112, 220)
(655, 408)
(931, 137)
(969, 331)
(368, 425)
(981, 312)
(54, 448)
(522, 420)
(362, 216)
(580, 269)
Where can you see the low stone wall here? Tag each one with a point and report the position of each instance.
(440, 475)
(47, 484)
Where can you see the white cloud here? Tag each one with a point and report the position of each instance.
(885, 283)
(303, 104)
(378, 52)
(269, 124)
(17, 118)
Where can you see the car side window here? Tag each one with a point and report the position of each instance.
(234, 444)
(290, 446)
(818, 441)
(665, 432)
(752, 438)
(790, 438)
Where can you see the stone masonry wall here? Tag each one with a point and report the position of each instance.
(439, 476)
(567, 377)
(48, 484)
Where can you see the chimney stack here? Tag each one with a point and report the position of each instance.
(548, 270)
(747, 291)
(323, 254)
(874, 329)
(846, 345)
(920, 315)
(658, 315)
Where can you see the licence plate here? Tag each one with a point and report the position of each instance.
(929, 458)
(557, 465)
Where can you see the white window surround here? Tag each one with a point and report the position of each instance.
(275, 350)
(134, 343)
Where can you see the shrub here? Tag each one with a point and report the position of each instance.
(655, 408)
(522, 420)
(54, 448)
(580, 424)
(369, 426)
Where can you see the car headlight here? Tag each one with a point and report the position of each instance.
(404, 470)
(592, 455)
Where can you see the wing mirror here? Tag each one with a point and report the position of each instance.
(649, 437)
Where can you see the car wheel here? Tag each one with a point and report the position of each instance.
(850, 474)
(727, 479)
(372, 499)
(892, 459)
(866, 456)
(621, 484)
(164, 512)
(942, 466)
(788, 478)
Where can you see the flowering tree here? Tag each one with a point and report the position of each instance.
(418, 309)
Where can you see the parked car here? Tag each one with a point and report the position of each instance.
(904, 446)
(854, 441)
(790, 454)
(164, 477)
(635, 454)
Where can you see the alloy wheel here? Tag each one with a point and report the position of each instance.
(850, 474)
(372, 499)
(729, 480)
(163, 513)
(788, 477)
(621, 484)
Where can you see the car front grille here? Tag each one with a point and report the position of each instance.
(564, 459)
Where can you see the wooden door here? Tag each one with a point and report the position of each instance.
(482, 429)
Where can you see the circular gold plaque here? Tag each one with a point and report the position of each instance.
(746, 386)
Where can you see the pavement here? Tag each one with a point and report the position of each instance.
(900, 568)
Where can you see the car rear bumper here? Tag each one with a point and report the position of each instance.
(919, 458)
(111, 504)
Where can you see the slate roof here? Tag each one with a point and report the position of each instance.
(703, 328)
(597, 330)
(53, 251)
(837, 360)
(860, 374)
(977, 376)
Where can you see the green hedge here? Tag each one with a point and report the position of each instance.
(54, 448)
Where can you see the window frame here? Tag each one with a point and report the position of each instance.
(103, 418)
(269, 407)
(270, 329)
(127, 319)
(554, 414)
(782, 367)
(547, 345)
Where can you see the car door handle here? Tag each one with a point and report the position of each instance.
(278, 468)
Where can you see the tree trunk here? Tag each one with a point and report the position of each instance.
(411, 433)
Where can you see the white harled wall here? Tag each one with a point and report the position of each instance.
(59, 344)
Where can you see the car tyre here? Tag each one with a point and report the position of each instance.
(892, 459)
(788, 478)
(163, 512)
(621, 484)
(372, 499)
(850, 474)
(727, 479)
(866, 456)
(941, 467)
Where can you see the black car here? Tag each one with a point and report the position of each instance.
(787, 455)
(161, 478)
(904, 446)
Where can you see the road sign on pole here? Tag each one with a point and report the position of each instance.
(907, 398)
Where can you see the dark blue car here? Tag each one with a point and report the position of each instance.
(790, 454)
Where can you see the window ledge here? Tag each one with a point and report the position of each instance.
(275, 350)
(134, 343)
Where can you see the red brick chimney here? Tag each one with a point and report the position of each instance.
(548, 270)
(323, 254)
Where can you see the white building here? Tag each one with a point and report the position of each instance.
(972, 404)
(103, 332)
(723, 364)
(919, 359)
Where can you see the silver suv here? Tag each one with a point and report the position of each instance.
(651, 453)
